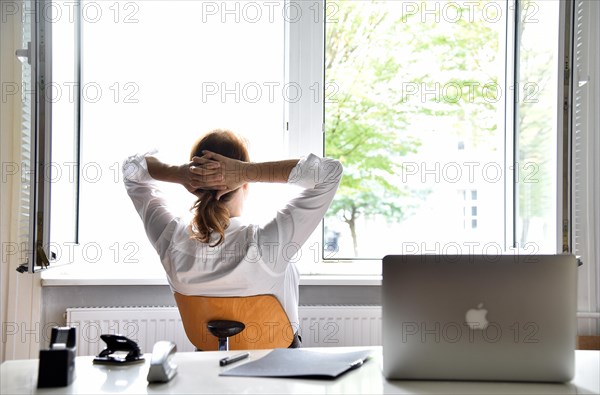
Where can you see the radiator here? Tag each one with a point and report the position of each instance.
(338, 325)
(144, 325)
(320, 326)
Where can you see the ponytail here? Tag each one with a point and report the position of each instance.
(210, 215)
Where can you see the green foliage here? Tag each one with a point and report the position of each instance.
(373, 52)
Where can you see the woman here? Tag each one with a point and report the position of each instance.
(218, 253)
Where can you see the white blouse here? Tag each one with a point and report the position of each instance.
(252, 260)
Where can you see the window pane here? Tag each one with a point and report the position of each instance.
(536, 121)
(63, 169)
(159, 74)
(416, 115)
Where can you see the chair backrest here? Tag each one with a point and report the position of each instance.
(267, 324)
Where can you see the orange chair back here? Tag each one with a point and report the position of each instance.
(267, 324)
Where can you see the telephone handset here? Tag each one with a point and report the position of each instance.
(162, 369)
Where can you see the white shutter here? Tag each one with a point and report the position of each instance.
(586, 159)
(27, 123)
(34, 215)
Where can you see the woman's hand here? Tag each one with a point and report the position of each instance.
(206, 174)
(201, 174)
(231, 172)
(235, 173)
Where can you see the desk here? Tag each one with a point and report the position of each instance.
(198, 373)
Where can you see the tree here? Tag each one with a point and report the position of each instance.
(360, 129)
(372, 50)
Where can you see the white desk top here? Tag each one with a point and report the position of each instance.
(198, 373)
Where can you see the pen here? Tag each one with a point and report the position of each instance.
(227, 360)
(356, 364)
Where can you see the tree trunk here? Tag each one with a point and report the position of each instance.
(352, 224)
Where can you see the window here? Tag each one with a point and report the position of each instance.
(157, 75)
(536, 126)
(585, 207)
(35, 115)
(443, 113)
(418, 117)
(27, 131)
(428, 102)
(63, 171)
(469, 209)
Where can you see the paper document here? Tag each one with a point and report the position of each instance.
(290, 362)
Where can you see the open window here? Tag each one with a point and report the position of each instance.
(32, 170)
(445, 116)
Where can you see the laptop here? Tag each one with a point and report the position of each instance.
(479, 317)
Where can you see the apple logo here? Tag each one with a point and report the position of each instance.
(475, 318)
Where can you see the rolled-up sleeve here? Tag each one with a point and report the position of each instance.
(148, 200)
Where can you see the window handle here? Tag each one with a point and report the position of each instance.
(582, 82)
(24, 54)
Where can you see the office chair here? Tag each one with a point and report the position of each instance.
(235, 323)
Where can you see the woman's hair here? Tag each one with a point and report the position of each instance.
(211, 215)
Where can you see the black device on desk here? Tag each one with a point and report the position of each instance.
(116, 345)
(57, 364)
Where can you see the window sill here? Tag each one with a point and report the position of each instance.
(80, 275)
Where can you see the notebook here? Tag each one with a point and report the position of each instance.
(478, 317)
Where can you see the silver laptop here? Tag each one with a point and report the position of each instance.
(477, 317)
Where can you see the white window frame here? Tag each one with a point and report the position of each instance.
(304, 40)
(305, 66)
(305, 119)
(582, 216)
(37, 186)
